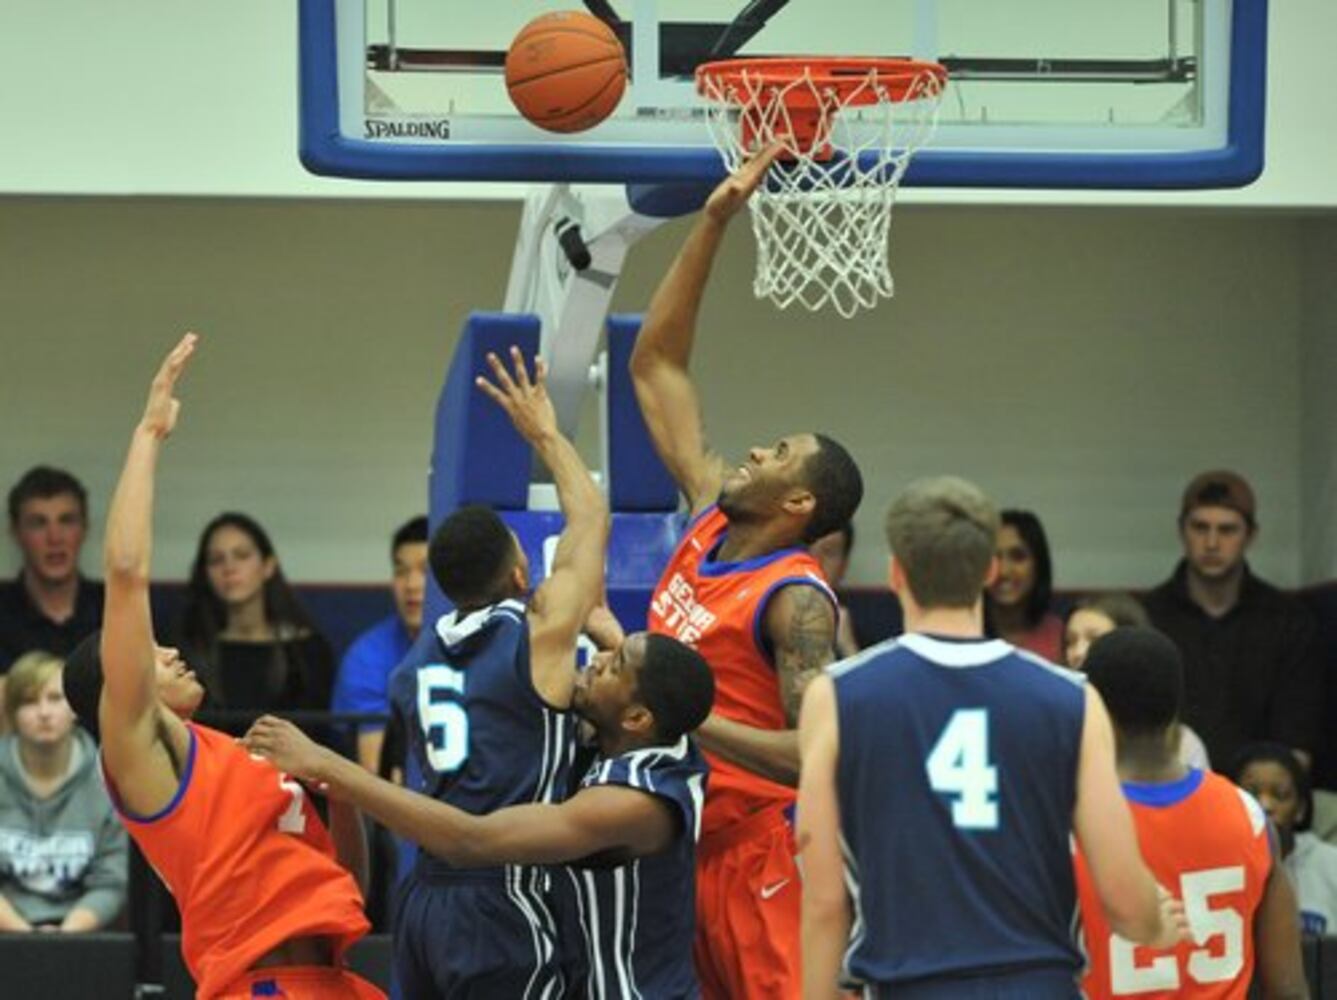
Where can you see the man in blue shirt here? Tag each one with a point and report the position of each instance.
(363, 685)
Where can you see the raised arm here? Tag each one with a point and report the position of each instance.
(1136, 907)
(659, 363)
(826, 904)
(800, 625)
(1276, 931)
(574, 585)
(128, 712)
(620, 822)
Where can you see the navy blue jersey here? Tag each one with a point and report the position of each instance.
(638, 918)
(480, 738)
(957, 779)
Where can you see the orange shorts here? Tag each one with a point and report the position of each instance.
(747, 911)
(300, 982)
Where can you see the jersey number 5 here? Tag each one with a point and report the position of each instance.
(1205, 964)
(445, 723)
(959, 766)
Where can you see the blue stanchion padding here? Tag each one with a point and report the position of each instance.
(637, 479)
(477, 456)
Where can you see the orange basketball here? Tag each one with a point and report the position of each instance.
(566, 71)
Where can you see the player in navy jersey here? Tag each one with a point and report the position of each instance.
(487, 717)
(943, 774)
(630, 831)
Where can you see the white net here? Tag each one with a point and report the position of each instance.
(822, 216)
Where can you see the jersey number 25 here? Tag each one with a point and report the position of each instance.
(1205, 964)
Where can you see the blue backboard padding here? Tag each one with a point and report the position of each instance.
(477, 456)
(325, 151)
(637, 479)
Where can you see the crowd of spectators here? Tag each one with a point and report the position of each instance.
(1254, 673)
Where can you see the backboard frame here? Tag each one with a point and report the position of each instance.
(326, 150)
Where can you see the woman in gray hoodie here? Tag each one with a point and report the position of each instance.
(62, 851)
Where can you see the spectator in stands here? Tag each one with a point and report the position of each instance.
(364, 674)
(1252, 668)
(1272, 774)
(832, 551)
(244, 630)
(1017, 603)
(1100, 614)
(62, 852)
(51, 606)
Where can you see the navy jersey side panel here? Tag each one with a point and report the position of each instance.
(957, 779)
(638, 918)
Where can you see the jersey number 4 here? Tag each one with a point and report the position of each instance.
(958, 766)
(445, 723)
(1206, 964)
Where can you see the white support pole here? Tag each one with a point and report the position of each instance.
(571, 301)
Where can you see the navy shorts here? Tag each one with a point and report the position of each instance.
(476, 941)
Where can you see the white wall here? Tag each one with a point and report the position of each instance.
(1083, 362)
(1318, 354)
(169, 98)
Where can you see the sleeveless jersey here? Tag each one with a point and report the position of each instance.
(957, 779)
(638, 919)
(247, 859)
(1206, 841)
(719, 609)
(482, 739)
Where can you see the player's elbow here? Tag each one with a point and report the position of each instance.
(1132, 914)
(124, 571)
(825, 900)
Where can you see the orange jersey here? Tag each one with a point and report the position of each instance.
(1206, 841)
(718, 608)
(248, 861)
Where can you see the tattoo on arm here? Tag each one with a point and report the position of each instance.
(804, 644)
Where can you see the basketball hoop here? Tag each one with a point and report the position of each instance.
(822, 216)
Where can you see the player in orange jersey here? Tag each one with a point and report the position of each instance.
(744, 591)
(266, 909)
(1204, 839)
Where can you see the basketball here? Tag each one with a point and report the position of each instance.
(566, 71)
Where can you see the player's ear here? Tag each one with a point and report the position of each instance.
(800, 503)
(895, 575)
(638, 719)
(991, 574)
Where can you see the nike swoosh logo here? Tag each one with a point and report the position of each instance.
(767, 891)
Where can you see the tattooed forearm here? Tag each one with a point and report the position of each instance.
(804, 638)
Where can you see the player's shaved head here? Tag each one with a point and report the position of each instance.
(82, 681)
(472, 554)
(1140, 676)
(676, 685)
(834, 479)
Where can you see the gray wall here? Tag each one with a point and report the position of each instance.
(1082, 362)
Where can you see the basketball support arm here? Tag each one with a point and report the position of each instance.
(568, 258)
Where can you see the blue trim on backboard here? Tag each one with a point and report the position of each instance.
(325, 151)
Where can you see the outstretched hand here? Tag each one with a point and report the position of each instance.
(526, 402)
(734, 191)
(287, 748)
(160, 412)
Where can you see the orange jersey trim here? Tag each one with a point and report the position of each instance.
(1207, 842)
(248, 860)
(719, 609)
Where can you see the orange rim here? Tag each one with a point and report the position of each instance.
(898, 79)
